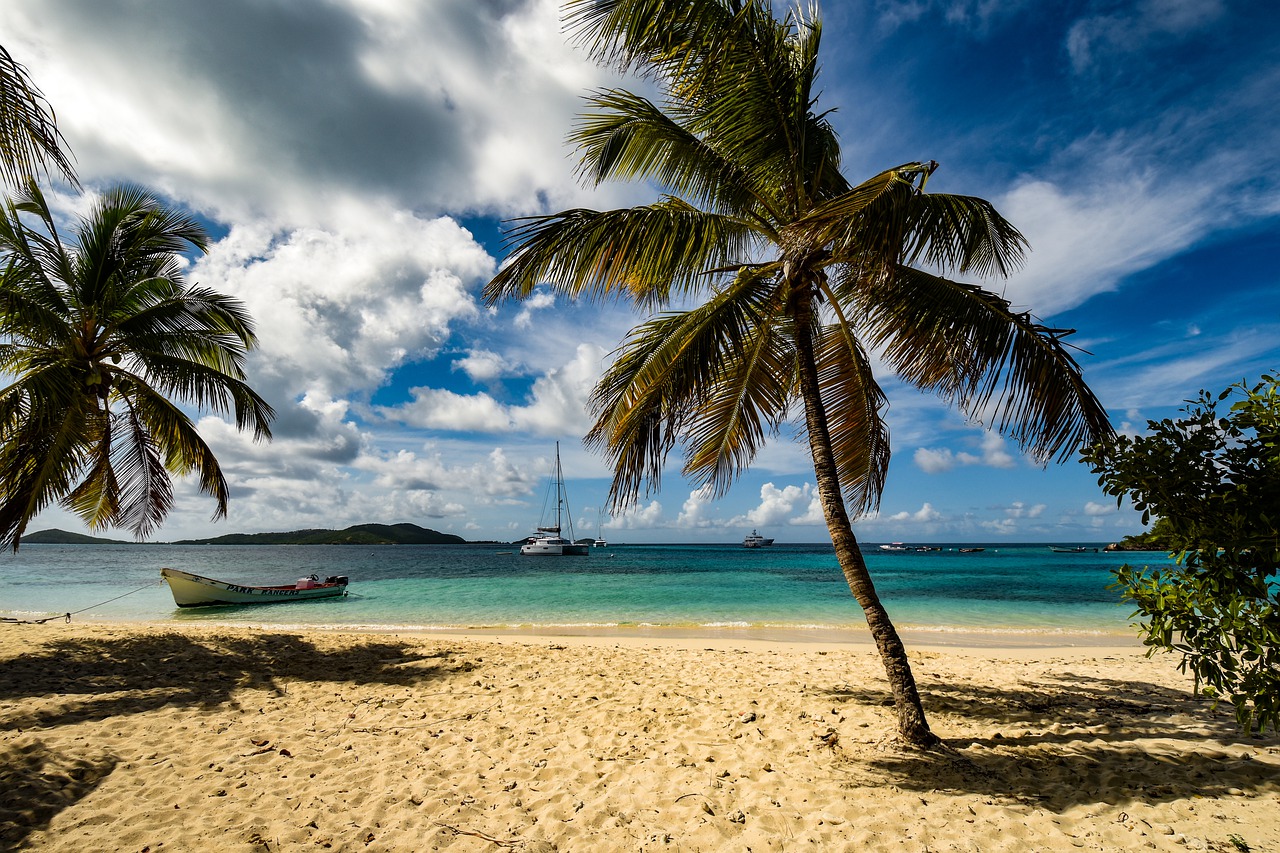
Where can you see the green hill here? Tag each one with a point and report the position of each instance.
(360, 534)
(63, 537)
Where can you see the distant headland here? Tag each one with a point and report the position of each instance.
(360, 534)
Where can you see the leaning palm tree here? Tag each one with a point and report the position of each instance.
(30, 141)
(775, 279)
(103, 339)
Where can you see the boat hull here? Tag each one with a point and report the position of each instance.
(195, 591)
(554, 548)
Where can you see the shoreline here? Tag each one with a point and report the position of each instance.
(801, 636)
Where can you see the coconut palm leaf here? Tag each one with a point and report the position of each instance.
(646, 253)
(30, 142)
(968, 346)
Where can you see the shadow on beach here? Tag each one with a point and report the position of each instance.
(1070, 741)
(69, 681)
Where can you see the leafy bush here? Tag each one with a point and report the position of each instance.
(1214, 481)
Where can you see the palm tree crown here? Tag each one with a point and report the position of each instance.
(105, 340)
(794, 276)
(760, 223)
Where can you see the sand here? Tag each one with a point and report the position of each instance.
(156, 738)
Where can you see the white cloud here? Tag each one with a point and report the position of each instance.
(776, 505)
(1020, 510)
(539, 300)
(1094, 509)
(338, 310)
(482, 365)
(940, 460)
(638, 517)
(924, 515)
(557, 403)
(1100, 38)
(694, 511)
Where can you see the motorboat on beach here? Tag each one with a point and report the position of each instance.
(196, 591)
(755, 540)
(548, 541)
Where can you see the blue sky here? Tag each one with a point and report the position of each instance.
(356, 158)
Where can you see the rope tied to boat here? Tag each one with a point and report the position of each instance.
(67, 616)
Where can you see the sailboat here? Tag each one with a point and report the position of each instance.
(548, 542)
(600, 540)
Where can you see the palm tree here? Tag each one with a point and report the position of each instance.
(105, 340)
(30, 141)
(777, 278)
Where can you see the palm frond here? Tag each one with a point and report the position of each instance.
(968, 345)
(962, 234)
(853, 403)
(146, 492)
(46, 431)
(30, 142)
(183, 448)
(646, 253)
(682, 375)
(97, 497)
(625, 136)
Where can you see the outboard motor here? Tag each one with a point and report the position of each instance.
(341, 580)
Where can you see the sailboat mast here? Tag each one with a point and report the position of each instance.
(559, 488)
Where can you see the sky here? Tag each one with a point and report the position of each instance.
(355, 161)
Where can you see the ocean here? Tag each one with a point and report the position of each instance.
(786, 591)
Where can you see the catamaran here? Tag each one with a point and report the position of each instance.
(548, 542)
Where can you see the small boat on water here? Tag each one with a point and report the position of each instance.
(548, 542)
(755, 540)
(970, 550)
(1077, 550)
(894, 546)
(196, 591)
(600, 541)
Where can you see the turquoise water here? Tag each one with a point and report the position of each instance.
(777, 591)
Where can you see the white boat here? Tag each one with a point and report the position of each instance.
(600, 540)
(755, 540)
(548, 541)
(195, 591)
(894, 546)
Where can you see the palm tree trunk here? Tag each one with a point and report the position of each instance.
(912, 726)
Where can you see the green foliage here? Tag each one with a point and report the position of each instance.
(1158, 538)
(104, 341)
(1214, 481)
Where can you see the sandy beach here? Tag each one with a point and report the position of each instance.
(154, 738)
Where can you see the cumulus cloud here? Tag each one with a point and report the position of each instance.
(694, 511)
(777, 505)
(338, 310)
(393, 100)
(925, 514)
(1094, 509)
(940, 460)
(482, 365)
(557, 403)
(639, 517)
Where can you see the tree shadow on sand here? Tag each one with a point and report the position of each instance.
(68, 681)
(98, 678)
(36, 783)
(1069, 741)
